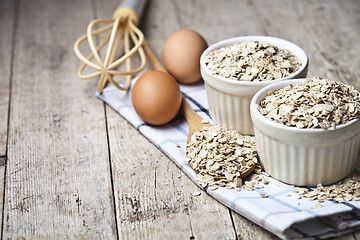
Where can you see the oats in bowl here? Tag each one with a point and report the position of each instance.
(304, 140)
(252, 61)
(314, 103)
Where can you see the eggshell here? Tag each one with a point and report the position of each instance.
(156, 97)
(181, 55)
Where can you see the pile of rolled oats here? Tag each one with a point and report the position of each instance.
(220, 156)
(252, 61)
(343, 191)
(257, 180)
(314, 103)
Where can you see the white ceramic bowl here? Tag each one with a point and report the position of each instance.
(304, 157)
(229, 100)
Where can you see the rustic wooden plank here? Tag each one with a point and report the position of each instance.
(2, 185)
(58, 179)
(316, 27)
(58, 175)
(287, 19)
(282, 19)
(337, 37)
(327, 30)
(218, 21)
(7, 8)
(153, 197)
(7, 16)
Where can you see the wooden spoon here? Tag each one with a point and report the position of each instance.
(195, 122)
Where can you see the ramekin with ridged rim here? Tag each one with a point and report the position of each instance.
(304, 157)
(229, 100)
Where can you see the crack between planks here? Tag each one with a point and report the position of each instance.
(186, 209)
(354, 236)
(155, 182)
(233, 223)
(111, 172)
(191, 227)
(4, 158)
(95, 16)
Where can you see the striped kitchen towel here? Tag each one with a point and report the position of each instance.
(282, 213)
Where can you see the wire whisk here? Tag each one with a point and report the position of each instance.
(122, 26)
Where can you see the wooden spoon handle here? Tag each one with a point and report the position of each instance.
(153, 59)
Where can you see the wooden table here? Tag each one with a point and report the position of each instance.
(71, 167)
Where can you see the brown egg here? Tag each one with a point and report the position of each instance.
(181, 55)
(156, 97)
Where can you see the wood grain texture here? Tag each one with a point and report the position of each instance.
(186, 14)
(58, 179)
(7, 16)
(327, 30)
(153, 197)
(7, 11)
(337, 39)
(78, 170)
(2, 184)
(220, 15)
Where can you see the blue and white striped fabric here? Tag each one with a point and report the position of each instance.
(286, 216)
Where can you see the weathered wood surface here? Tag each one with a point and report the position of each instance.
(7, 16)
(76, 169)
(7, 12)
(58, 181)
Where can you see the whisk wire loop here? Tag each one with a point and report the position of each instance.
(90, 39)
(121, 26)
